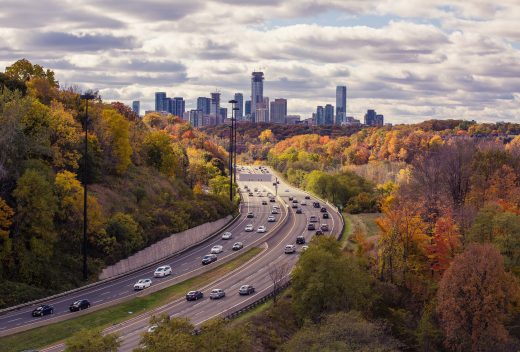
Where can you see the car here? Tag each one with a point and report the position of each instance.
(245, 290)
(304, 248)
(271, 218)
(216, 249)
(313, 219)
(42, 310)
(194, 295)
(275, 211)
(250, 194)
(307, 197)
(250, 215)
(261, 229)
(80, 304)
(264, 202)
(217, 293)
(325, 215)
(311, 227)
(290, 248)
(319, 233)
(142, 284)
(298, 211)
(303, 202)
(272, 200)
(300, 240)
(276, 207)
(152, 328)
(278, 182)
(324, 227)
(316, 204)
(209, 258)
(237, 246)
(162, 271)
(295, 201)
(294, 206)
(256, 189)
(249, 228)
(323, 209)
(227, 236)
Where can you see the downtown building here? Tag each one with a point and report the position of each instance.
(257, 93)
(373, 119)
(278, 111)
(136, 107)
(175, 106)
(341, 104)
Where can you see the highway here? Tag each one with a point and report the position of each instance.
(255, 272)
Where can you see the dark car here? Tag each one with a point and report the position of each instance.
(79, 305)
(194, 295)
(298, 211)
(324, 227)
(250, 215)
(237, 246)
(246, 290)
(294, 206)
(316, 204)
(319, 233)
(295, 201)
(290, 198)
(272, 200)
(307, 197)
(264, 202)
(42, 310)
(209, 258)
(323, 209)
(300, 240)
(325, 215)
(311, 227)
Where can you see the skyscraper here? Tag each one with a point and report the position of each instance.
(160, 98)
(279, 111)
(266, 106)
(373, 119)
(215, 106)
(329, 115)
(136, 107)
(257, 90)
(341, 104)
(320, 115)
(261, 113)
(239, 114)
(178, 106)
(203, 104)
(247, 108)
(223, 114)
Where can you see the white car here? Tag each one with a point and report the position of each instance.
(152, 328)
(261, 229)
(227, 236)
(142, 284)
(249, 228)
(275, 211)
(162, 271)
(216, 249)
(217, 293)
(303, 202)
(271, 218)
(290, 248)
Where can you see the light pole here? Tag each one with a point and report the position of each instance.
(235, 109)
(86, 97)
(231, 149)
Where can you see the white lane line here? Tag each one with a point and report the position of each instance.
(10, 321)
(98, 301)
(105, 293)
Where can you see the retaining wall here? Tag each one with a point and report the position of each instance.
(164, 248)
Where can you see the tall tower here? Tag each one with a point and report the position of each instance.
(215, 106)
(257, 90)
(341, 104)
(160, 99)
(239, 97)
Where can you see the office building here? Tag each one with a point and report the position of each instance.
(168, 105)
(341, 104)
(292, 119)
(278, 111)
(373, 119)
(196, 118)
(261, 113)
(239, 114)
(320, 115)
(266, 105)
(203, 104)
(160, 100)
(136, 107)
(329, 115)
(223, 114)
(247, 108)
(178, 106)
(215, 106)
(257, 91)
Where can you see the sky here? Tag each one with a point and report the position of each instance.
(409, 60)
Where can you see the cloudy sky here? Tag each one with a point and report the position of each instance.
(409, 60)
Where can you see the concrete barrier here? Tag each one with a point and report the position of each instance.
(165, 248)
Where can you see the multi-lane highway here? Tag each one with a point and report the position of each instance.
(284, 231)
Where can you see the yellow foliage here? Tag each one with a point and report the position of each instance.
(6, 214)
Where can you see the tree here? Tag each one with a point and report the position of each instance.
(327, 280)
(174, 334)
(445, 244)
(219, 185)
(217, 336)
(24, 70)
(278, 274)
(116, 141)
(92, 341)
(159, 152)
(475, 297)
(266, 136)
(64, 137)
(6, 250)
(127, 233)
(6, 215)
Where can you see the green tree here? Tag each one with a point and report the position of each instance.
(92, 341)
(171, 335)
(159, 152)
(217, 336)
(64, 137)
(116, 141)
(126, 231)
(24, 70)
(327, 280)
(219, 186)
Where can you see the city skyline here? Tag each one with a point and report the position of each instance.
(428, 59)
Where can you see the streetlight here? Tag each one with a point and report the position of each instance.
(235, 141)
(86, 97)
(231, 149)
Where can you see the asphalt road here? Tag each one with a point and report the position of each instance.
(255, 272)
(183, 264)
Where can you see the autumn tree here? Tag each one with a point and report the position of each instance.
(445, 244)
(115, 140)
(159, 152)
(266, 136)
(24, 70)
(6, 220)
(92, 341)
(475, 297)
(126, 232)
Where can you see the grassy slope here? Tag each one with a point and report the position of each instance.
(51, 334)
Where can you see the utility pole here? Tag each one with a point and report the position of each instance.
(86, 97)
(231, 149)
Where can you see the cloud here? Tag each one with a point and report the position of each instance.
(80, 42)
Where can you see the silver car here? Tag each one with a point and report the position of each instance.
(217, 293)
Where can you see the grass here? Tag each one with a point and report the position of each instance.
(347, 230)
(249, 314)
(51, 334)
(369, 221)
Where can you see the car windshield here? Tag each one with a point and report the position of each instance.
(159, 269)
(192, 292)
(77, 303)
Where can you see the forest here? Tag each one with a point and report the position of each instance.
(147, 178)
